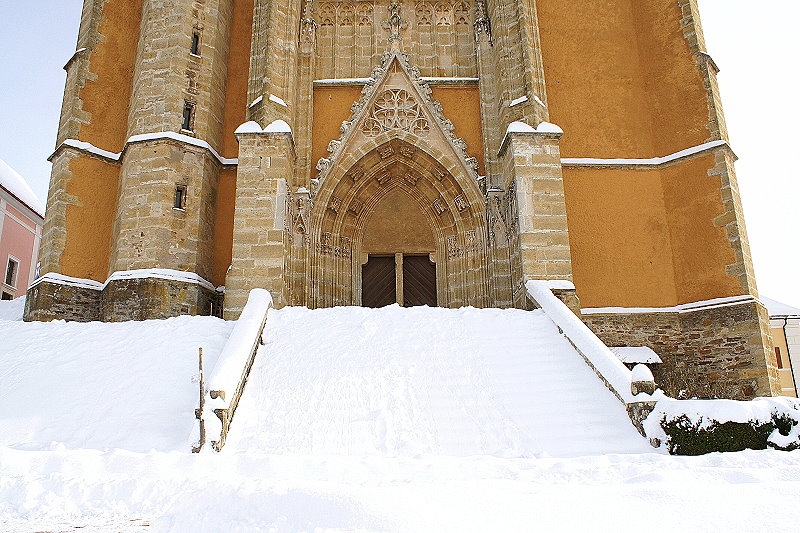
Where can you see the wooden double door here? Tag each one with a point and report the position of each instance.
(407, 279)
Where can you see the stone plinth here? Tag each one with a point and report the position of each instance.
(266, 165)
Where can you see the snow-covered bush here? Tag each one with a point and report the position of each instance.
(696, 427)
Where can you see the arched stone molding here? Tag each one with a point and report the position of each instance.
(342, 210)
(397, 139)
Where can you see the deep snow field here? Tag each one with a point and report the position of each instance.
(425, 430)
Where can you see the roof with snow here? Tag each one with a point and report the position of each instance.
(11, 181)
(776, 308)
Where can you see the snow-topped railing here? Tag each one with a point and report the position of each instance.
(226, 382)
(635, 389)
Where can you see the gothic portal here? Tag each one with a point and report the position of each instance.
(368, 152)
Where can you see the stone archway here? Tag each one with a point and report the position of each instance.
(373, 207)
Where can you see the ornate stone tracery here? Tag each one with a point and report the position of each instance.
(395, 109)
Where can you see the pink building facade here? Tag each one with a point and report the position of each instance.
(21, 220)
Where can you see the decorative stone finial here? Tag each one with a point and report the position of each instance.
(482, 24)
(308, 29)
(394, 24)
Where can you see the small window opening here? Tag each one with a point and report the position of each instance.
(188, 116)
(778, 357)
(180, 197)
(7, 296)
(196, 43)
(11, 272)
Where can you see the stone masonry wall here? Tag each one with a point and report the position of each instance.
(152, 298)
(149, 231)
(120, 300)
(714, 352)
(47, 301)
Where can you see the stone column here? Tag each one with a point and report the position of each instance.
(532, 168)
(266, 165)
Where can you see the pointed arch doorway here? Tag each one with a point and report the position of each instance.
(400, 250)
(397, 184)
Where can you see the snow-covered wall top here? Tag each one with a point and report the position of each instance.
(16, 185)
(597, 354)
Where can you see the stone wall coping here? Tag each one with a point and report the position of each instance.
(678, 309)
(161, 273)
(115, 157)
(545, 130)
(649, 162)
(339, 82)
(60, 279)
(597, 355)
(74, 56)
(145, 273)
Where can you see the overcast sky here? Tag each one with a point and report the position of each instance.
(755, 44)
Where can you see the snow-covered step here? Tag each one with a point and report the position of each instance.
(400, 382)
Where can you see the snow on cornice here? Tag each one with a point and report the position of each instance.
(89, 148)
(654, 161)
(144, 273)
(15, 184)
(713, 303)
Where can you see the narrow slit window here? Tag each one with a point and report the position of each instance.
(196, 43)
(11, 272)
(188, 116)
(180, 197)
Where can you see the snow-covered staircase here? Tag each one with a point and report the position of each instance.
(404, 382)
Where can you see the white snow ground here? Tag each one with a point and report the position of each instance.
(403, 382)
(72, 460)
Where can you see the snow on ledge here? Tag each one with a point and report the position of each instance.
(680, 309)
(255, 102)
(597, 355)
(517, 101)
(520, 127)
(655, 161)
(182, 138)
(116, 156)
(144, 273)
(278, 126)
(161, 273)
(249, 127)
(277, 100)
(92, 149)
(636, 354)
(60, 279)
(548, 127)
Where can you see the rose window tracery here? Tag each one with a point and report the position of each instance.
(395, 109)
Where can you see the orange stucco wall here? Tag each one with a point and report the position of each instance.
(622, 80)
(619, 238)
(701, 250)
(107, 98)
(223, 226)
(238, 74)
(461, 105)
(331, 108)
(90, 223)
(95, 183)
(646, 238)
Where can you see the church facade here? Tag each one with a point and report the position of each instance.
(347, 152)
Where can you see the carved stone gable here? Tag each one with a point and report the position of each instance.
(396, 102)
